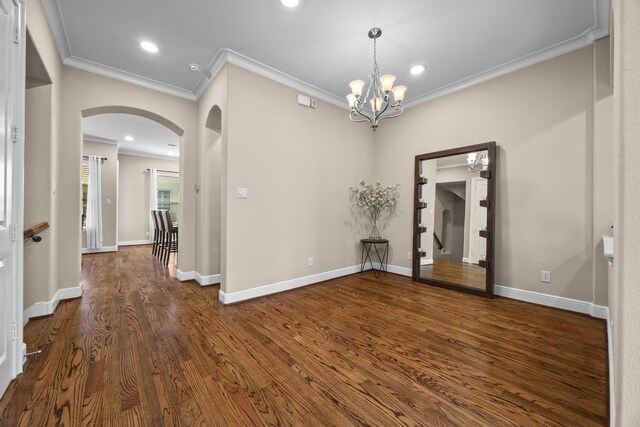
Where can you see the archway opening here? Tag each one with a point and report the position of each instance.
(138, 162)
(210, 200)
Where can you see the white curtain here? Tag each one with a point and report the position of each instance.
(153, 199)
(94, 204)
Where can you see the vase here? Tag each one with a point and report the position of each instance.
(375, 233)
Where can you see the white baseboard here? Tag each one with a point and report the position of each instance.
(183, 276)
(100, 250)
(552, 301)
(404, 271)
(45, 308)
(465, 260)
(207, 280)
(233, 297)
(135, 242)
(612, 399)
(426, 261)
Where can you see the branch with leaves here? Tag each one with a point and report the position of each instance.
(375, 198)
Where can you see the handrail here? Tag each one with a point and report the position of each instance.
(438, 242)
(35, 230)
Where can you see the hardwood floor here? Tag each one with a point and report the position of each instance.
(459, 273)
(141, 348)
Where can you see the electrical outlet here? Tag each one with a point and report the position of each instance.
(409, 255)
(146, 233)
(310, 261)
(545, 276)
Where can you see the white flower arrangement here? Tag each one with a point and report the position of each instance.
(375, 199)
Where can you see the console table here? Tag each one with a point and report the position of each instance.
(379, 248)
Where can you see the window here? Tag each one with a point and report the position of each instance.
(85, 187)
(168, 185)
(164, 200)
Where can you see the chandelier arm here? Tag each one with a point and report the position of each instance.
(379, 115)
(366, 95)
(351, 117)
(393, 116)
(358, 111)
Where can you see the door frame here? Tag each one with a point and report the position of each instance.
(473, 236)
(15, 217)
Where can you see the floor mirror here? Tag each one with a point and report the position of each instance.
(454, 215)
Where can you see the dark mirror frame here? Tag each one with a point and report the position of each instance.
(490, 175)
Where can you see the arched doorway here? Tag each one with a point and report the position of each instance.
(141, 150)
(209, 200)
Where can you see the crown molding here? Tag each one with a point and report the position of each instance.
(52, 10)
(271, 73)
(59, 31)
(215, 66)
(106, 71)
(229, 56)
(150, 156)
(56, 24)
(599, 30)
(99, 139)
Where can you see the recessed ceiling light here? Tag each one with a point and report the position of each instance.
(194, 67)
(149, 47)
(418, 69)
(128, 138)
(290, 3)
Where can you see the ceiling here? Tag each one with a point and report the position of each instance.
(320, 46)
(150, 139)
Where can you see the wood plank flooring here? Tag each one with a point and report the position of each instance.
(141, 348)
(459, 273)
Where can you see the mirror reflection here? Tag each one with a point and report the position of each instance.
(451, 247)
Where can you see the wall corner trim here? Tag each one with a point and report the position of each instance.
(207, 280)
(183, 276)
(48, 307)
(612, 388)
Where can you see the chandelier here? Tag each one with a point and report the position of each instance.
(478, 161)
(375, 104)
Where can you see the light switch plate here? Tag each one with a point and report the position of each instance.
(545, 276)
(108, 201)
(242, 193)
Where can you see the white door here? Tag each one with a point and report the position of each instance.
(477, 244)
(11, 189)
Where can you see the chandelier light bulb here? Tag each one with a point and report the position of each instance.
(356, 87)
(376, 104)
(352, 100)
(398, 93)
(387, 82)
(478, 161)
